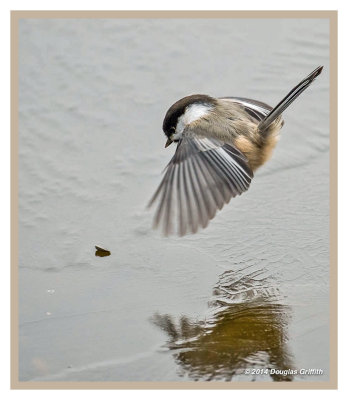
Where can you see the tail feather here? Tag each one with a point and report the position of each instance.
(288, 99)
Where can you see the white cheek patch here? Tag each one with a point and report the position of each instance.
(192, 113)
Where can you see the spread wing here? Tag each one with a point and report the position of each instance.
(201, 177)
(254, 108)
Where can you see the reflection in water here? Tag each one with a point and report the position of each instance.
(247, 329)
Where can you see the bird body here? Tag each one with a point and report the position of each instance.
(243, 132)
(221, 142)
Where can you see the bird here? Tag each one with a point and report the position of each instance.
(221, 142)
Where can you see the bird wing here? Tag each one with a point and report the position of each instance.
(254, 108)
(201, 177)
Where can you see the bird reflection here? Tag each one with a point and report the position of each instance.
(247, 329)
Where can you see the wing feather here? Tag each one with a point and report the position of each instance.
(203, 175)
(254, 108)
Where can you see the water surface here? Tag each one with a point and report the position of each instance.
(251, 290)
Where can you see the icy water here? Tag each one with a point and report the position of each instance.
(251, 290)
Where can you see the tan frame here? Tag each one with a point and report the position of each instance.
(15, 17)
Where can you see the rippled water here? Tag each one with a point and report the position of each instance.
(251, 290)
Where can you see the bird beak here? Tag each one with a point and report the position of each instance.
(169, 141)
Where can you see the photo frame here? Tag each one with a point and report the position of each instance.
(190, 360)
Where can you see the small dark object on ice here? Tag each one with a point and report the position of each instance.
(101, 252)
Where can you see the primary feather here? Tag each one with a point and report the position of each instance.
(203, 175)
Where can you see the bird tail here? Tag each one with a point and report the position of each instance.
(288, 99)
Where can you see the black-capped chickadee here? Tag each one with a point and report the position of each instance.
(221, 142)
